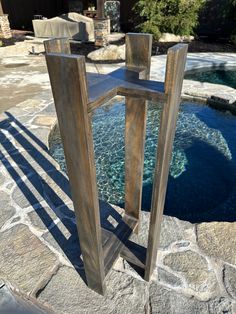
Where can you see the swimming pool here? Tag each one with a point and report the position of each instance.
(215, 76)
(202, 180)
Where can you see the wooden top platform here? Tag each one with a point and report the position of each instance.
(124, 82)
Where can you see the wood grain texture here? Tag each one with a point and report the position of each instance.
(117, 240)
(69, 86)
(138, 55)
(176, 60)
(108, 86)
(57, 45)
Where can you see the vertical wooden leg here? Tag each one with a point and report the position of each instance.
(135, 131)
(173, 84)
(57, 45)
(69, 86)
(138, 55)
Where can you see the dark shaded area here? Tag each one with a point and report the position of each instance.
(69, 245)
(217, 19)
(200, 45)
(21, 12)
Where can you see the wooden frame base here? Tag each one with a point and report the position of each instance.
(76, 95)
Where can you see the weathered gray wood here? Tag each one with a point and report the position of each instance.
(57, 45)
(119, 83)
(69, 86)
(138, 55)
(134, 253)
(116, 241)
(176, 60)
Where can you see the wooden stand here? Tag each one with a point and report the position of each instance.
(76, 94)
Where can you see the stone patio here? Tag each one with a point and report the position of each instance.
(196, 269)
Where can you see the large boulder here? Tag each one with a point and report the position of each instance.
(108, 53)
(167, 37)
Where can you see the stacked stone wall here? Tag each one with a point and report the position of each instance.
(5, 31)
(102, 30)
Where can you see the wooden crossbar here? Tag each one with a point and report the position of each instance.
(76, 94)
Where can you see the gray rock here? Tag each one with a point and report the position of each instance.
(67, 293)
(6, 210)
(24, 260)
(168, 278)
(229, 277)
(168, 37)
(167, 301)
(111, 53)
(194, 268)
(29, 192)
(172, 230)
(42, 217)
(220, 306)
(218, 239)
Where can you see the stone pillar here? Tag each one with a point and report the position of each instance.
(102, 30)
(5, 31)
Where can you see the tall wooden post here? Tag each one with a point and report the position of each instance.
(138, 57)
(57, 45)
(100, 9)
(69, 85)
(176, 59)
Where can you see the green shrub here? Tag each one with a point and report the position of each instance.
(179, 17)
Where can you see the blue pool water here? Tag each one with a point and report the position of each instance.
(202, 180)
(223, 77)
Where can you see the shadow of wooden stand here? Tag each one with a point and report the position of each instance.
(76, 94)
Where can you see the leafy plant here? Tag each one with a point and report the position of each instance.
(179, 17)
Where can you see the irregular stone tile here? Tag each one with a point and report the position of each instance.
(67, 293)
(64, 238)
(2, 179)
(44, 121)
(167, 301)
(56, 187)
(218, 239)
(172, 230)
(29, 192)
(168, 278)
(220, 306)
(23, 259)
(42, 217)
(194, 268)
(6, 210)
(50, 109)
(229, 277)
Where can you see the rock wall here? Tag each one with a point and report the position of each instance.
(5, 31)
(102, 30)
